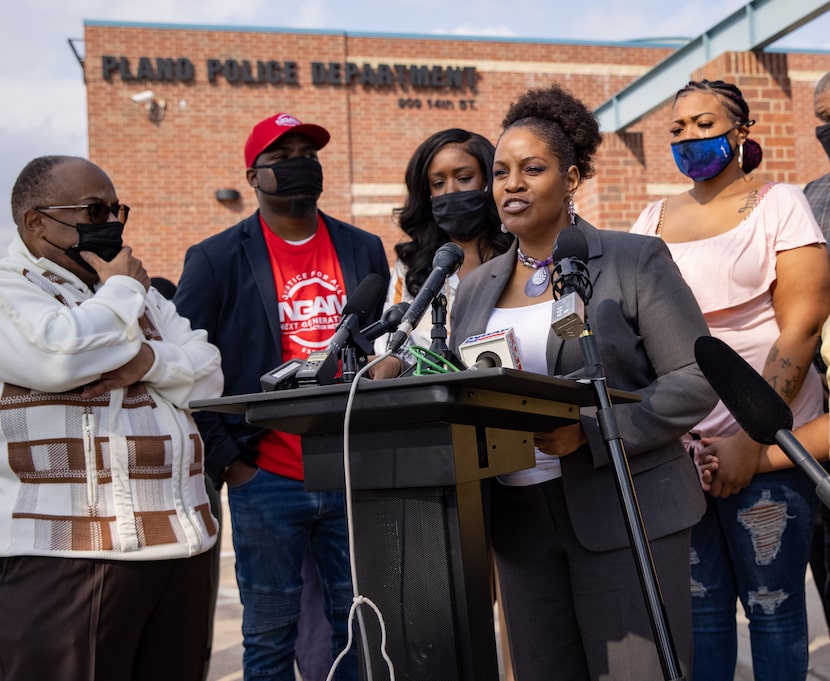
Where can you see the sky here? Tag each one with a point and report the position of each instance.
(42, 82)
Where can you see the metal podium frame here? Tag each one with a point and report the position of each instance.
(424, 437)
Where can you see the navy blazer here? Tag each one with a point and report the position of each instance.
(227, 288)
(645, 320)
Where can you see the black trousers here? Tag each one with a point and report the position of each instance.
(579, 615)
(103, 620)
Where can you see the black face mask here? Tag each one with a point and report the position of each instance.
(462, 215)
(103, 240)
(300, 176)
(823, 136)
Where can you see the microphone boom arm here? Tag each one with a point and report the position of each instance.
(804, 461)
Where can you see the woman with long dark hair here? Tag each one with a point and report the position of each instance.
(448, 198)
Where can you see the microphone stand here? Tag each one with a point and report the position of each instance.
(353, 356)
(439, 331)
(609, 429)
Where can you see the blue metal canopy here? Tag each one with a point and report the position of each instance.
(753, 27)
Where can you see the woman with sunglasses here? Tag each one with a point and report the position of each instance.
(754, 256)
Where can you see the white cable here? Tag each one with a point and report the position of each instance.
(358, 599)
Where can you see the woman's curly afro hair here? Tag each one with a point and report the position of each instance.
(568, 126)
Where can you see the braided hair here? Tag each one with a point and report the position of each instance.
(733, 101)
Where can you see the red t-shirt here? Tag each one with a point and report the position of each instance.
(310, 297)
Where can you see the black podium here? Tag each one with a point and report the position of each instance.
(420, 447)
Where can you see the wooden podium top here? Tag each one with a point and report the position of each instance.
(497, 398)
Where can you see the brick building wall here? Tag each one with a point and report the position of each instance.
(168, 171)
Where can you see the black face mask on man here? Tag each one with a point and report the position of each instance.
(105, 240)
(461, 215)
(823, 136)
(299, 176)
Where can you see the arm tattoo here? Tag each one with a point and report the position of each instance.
(789, 385)
(788, 382)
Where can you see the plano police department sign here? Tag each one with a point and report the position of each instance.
(271, 72)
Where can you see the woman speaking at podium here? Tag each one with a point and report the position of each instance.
(571, 593)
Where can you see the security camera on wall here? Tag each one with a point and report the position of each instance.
(145, 96)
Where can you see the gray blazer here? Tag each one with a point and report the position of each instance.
(645, 320)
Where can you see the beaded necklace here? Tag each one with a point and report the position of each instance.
(539, 280)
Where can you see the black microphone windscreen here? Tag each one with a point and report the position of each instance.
(449, 256)
(393, 315)
(366, 297)
(388, 321)
(571, 243)
(757, 408)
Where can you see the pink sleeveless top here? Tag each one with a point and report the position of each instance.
(731, 275)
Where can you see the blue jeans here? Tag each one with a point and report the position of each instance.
(274, 520)
(754, 546)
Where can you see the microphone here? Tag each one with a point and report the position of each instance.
(493, 349)
(757, 408)
(284, 377)
(389, 320)
(321, 366)
(447, 259)
(572, 287)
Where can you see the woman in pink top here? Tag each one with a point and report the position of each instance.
(753, 255)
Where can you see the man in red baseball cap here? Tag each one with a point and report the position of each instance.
(268, 131)
(267, 290)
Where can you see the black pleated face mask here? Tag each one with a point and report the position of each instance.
(461, 215)
(103, 240)
(299, 176)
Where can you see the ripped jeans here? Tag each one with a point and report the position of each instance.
(754, 546)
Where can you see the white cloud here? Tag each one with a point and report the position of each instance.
(46, 105)
(41, 117)
(635, 19)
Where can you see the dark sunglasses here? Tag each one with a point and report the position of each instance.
(99, 212)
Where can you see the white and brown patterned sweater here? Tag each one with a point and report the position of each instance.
(117, 476)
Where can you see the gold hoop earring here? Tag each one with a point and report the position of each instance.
(741, 155)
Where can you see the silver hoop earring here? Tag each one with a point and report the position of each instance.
(503, 228)
(571, 210)
(741, 155)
